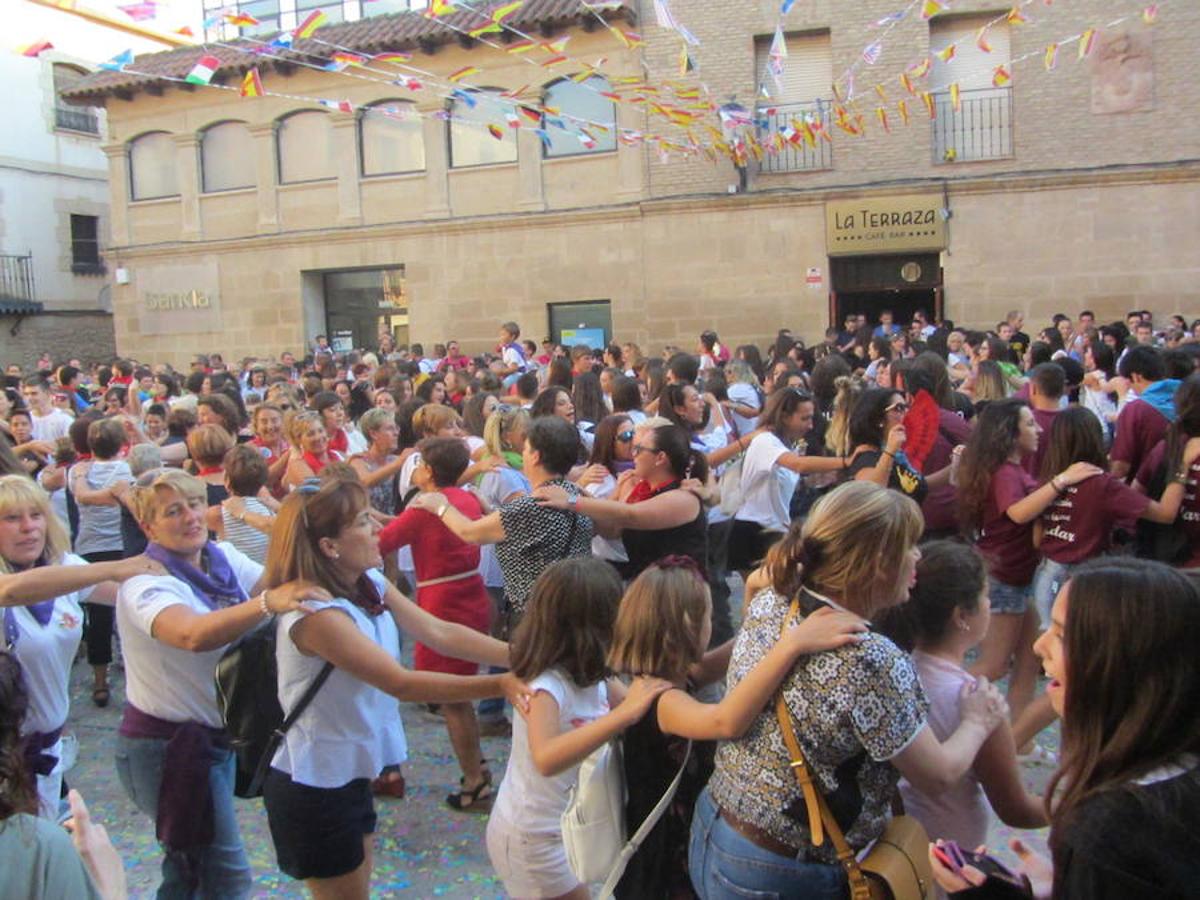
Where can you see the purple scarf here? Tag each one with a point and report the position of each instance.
(41, 612)
(217, 588)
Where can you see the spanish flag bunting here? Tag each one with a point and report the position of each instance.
(344, 58)
(554, 61)
(1016, 17)
(810, 134)
(1051, 57)
(1086, 41)
(1150, 14)
(203, 71)
(946, 53)
(391, 57)
(906, 83)
(438, 8)
(981, 40)
(860, 122)
(927, 99)
(551, 110)
(881, 115)
(515, 95)
(930, 8)
(464, 72)
(241, 19)
(252, 85)
(558, 45)
(879, 90)
(35, 49)
(521, 46)
(955, 97)
(496, 131)
(185, 30)
(902, 108)
(921, 69)
(1001, 77)
(615, 98)
(315, 20)
(685, 61)
(530, 113)
(631, 39)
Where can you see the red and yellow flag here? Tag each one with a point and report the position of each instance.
(1050, 60)
(464, 72)
(1001, 77)
(315, 20)
(1086, 41)
(955, 97)
(946, 53)
(252, 85)
(927, 99)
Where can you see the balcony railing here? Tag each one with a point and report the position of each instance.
(16, 277)
(981, 127)
(83, 119)
(795, 155)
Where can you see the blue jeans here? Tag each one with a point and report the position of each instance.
(1047, 582)
(724, 865)
(221, 868)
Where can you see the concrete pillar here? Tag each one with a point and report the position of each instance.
(187, 156)
(266, 176)
(345, 150)
(118, 184)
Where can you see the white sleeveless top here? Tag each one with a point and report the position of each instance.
(351, 729)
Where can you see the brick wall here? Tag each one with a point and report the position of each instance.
(87, 336)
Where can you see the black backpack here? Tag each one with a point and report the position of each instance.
(1167, 543)
(247, 696)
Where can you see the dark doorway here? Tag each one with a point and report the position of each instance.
(902, 283)
(363, 304)
(589, 322)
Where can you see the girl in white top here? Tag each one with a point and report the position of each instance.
(560, 647)
(317, 793)
(771, 471)
(42, 587)
(946, 615)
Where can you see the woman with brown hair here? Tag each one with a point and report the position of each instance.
(1124, 805)
(855, 553)
(317, 792)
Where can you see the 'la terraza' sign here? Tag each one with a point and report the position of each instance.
(886, 224)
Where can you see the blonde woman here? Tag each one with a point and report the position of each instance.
(311, 453)
(42, 588)
(855, 553)
(745, 396)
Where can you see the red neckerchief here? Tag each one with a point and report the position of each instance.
(121, 379)
(367, 597)
(339, 442)
(82, 457)
(207, 470)
(313, 463)
(643, 491)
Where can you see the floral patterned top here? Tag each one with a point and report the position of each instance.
(853, 710)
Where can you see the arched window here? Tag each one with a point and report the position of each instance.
(226, 157)
(391, 138)
(305, 142)
(73, 118)
(471, 143)
(579, 103)
(152, 166)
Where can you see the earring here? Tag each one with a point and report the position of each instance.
(963, 626)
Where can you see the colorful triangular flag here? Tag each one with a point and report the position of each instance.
(312, 22)
(240, 19)
(1150, 14)
(1001, 77)
(118, 62)
(203, 71)
(460, 74)
(946, 53)
(981, 40)
(252, 85)
(1050, 60)
(955, 97)
(930, 8)
(1086, 41)
(35, 49)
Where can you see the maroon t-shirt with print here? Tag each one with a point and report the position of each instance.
(1007, 546)
(1078, 525)
(1189, 510)
(941, 506)
(1139, 427)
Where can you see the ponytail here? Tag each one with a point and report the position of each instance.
(787, 560)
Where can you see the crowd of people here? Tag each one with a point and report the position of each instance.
(914, 514)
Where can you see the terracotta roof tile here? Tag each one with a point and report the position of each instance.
(378, 34)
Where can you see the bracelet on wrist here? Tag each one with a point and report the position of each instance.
(889, 453)
(1054, 483)
(262, 605)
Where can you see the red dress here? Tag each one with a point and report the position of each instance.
(438, 553)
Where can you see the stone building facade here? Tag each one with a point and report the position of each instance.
(1064, 190)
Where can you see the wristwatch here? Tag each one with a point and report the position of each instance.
(441, 513)
(572, 501)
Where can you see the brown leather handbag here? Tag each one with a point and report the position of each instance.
(897, 868)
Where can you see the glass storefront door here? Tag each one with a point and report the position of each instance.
(361, 305)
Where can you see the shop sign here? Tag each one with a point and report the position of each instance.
(178, 299)
(885, 225)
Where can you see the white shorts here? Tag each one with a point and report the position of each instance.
(531, 866)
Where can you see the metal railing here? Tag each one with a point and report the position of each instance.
(981, 127)
(16, 277)
(74, 119)
(795, 155)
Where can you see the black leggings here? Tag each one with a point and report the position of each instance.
(98, 618)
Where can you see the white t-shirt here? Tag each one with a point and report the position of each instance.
(767, 488)
(167, 682)
(350, 729)
(744, 395)
(51, 426)
(610, 549)
(100, 525)
(511, 356)
(46, 652)
(533, 802)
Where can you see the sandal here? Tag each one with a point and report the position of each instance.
(477, 800)
(389, 784)
(100, 696)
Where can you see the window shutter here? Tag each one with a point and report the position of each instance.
(807, 70)
(971, 68)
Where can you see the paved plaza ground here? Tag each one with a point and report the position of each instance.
(422, 849)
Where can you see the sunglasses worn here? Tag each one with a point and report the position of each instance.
(625, 436)
(900, 407)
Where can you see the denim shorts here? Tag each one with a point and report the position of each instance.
(1009, 599)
